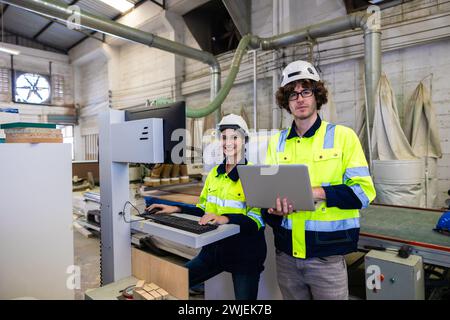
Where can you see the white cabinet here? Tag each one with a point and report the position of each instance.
(36, 237)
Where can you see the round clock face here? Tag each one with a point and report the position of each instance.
(32, 88)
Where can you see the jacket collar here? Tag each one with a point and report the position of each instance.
(234, 175)
(311, 131)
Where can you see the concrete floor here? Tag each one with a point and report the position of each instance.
(87, 256)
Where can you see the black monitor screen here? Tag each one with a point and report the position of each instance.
(174, 117)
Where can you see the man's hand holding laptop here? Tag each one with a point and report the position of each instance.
(283, 207)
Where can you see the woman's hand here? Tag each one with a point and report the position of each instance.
(159, 208)
(213, 218)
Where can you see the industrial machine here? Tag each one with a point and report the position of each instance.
(409, 253)
(391, 277)
(388, 227)
(155, 135)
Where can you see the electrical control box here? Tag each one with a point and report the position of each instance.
(138, 141)
(390, 277)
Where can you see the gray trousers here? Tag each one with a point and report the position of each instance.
(312, 278)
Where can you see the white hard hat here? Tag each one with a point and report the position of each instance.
(234, 120)
(298, 70)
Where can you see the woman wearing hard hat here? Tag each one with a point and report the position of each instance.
(222, 201)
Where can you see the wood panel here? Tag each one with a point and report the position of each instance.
(81, 169)
(168, 275)
(173, 196)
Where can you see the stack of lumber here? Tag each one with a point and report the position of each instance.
(148, 291)
(26, 132)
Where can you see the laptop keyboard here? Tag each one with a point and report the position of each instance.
(180, 223)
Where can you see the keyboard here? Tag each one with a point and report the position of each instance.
(180, 223)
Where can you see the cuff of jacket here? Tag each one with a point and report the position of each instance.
(246, 224)
(195, 211)
(341, 196)
(271, 219)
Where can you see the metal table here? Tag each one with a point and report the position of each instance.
(391, 227)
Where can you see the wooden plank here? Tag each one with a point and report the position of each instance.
(164, 294)
(180, 198)
(86, 233)
(155, 295)
(140, 284)
(172, 196)
(150, 287)
(33, 140)
(172, 277)
(148, 296)
(138, 294)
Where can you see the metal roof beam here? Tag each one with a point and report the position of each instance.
(5, 7)
(45, 45)
(162, 5)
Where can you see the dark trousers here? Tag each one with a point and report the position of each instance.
(245, 284)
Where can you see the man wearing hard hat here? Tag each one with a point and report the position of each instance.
(310, 245)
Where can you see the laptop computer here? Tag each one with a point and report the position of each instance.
(262, 185)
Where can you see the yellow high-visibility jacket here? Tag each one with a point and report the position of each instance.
(337, 163)
(245, 252)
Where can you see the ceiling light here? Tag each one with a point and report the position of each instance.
(121, 5)
(9, 51)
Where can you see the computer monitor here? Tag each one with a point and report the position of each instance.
(174, 117)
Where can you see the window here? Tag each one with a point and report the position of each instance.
(4, 85)
(90, 142)
(67, 132)
(4, 80)
(58, 89)
(31, 88)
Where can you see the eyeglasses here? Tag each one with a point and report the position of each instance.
(292, 96)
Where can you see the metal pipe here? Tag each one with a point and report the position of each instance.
(255, 89)
(372, 67)
(314, 31)
(61, 12)
(372, 40)
(223, 92)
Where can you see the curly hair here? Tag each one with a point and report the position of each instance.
(320, 93)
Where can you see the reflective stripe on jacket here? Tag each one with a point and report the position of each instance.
(222, 195)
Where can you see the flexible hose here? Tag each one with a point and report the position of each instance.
(222, 94)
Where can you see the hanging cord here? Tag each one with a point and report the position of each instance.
(122, 213)
(147, 242)
(428, 144)
(369, 142)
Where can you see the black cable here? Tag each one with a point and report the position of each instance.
(122, 213)
(153, 248)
